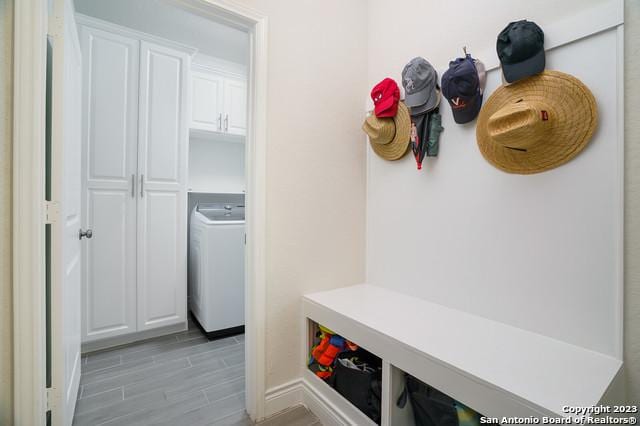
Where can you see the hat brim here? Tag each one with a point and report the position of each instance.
(468, 114)
(417, 98)
(397, 148)
(527, 68)
(433, 103)
(575, 120)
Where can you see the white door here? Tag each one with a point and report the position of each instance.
(110, 174)
(206, 105)
(162, 207)
(235, 107)
(65, 181)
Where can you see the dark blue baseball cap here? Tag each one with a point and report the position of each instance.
(520, 47)
(461, 87)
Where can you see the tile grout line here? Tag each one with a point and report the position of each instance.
(98, 393)
(226, 382)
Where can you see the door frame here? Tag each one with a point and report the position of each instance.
(30, 209)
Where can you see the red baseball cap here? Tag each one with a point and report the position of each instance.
(386, 96)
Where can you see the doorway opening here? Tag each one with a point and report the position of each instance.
(155, 111)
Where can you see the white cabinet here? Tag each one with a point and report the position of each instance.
(135, 134)
(110, 128)
(206, 108)
(235, 106)
(219, 101)
(162, 160)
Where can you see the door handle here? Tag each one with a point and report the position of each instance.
(226, 122)
(141, 186)
(133, 186)
(85, 234)
(220, 121)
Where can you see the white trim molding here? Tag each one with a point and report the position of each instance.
(202, 62)
(29, 123)
(284, 396)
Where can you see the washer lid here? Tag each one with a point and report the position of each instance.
(221, 212)
(223, 216)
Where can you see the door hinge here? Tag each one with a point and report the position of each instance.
(51, 212)
(49, 397)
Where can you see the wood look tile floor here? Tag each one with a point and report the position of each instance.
(178, 380)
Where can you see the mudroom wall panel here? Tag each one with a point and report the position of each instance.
(540, 252)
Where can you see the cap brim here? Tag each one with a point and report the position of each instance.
(532, 66)
(417, 99)
(432, 103)
(462, 116)
(385, 107)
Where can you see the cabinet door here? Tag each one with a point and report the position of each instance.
(235, 106)
(109, 128)
(206, 106)
(162, 207)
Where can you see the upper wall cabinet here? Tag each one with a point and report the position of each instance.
(219, 97)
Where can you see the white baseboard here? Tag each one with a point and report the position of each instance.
(324, 402)
(284, 396)
(111, 342)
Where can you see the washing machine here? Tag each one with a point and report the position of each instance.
(216, 268)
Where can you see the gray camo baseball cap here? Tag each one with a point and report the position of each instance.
(420, 82)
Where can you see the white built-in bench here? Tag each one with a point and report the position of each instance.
(496, 369)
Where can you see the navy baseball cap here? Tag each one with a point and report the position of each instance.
(520, 47)
(461, 87)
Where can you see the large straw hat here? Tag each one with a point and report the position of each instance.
(389, 137)
(536, 124)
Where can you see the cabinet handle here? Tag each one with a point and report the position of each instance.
(85, 234)
(226, 122)
(133, 186)
(220, 121)
(141, 186)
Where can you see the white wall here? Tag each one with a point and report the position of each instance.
(315, 162)
(6, 323)
(439, 29)
(216, 166)
(160, 18)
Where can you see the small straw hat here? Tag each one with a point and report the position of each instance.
(389, 137)
(536, 124)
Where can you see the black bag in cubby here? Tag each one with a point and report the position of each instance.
(430, 406)
(362, 388)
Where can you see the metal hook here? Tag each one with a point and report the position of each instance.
(464, 49)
